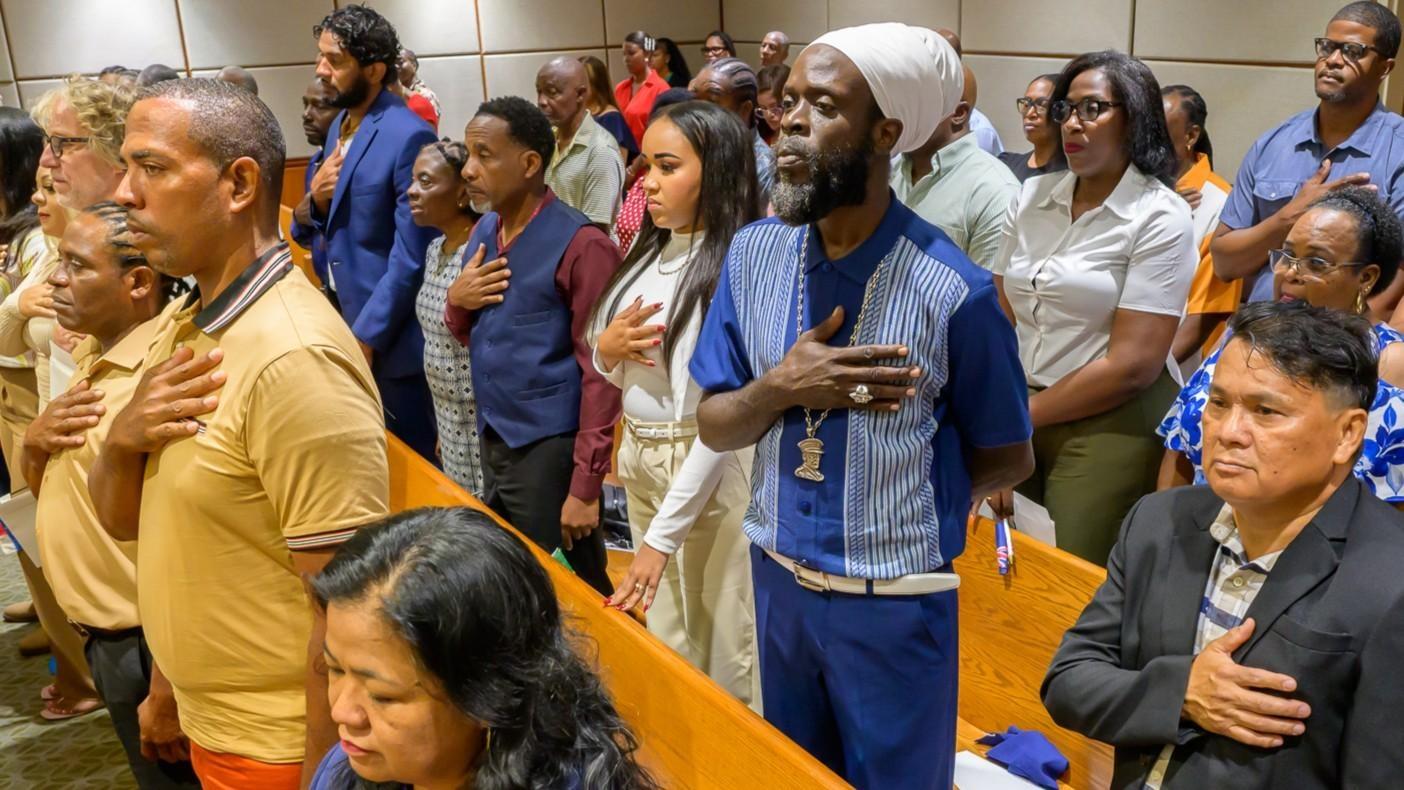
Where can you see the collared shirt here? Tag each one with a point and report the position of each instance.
(896, 490)
(293, 457)
(985, 132)
(765, 166)
(93, 576)
(637, 105)
(1208, 294)
(1281, 160)
(589, 175)
(1065, 280)
(1234, 581)
(967, 194)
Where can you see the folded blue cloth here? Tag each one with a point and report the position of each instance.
(1027, 754)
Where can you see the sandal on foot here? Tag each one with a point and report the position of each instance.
(58, 710)
(49, 692)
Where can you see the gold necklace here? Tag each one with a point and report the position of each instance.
(811, 447)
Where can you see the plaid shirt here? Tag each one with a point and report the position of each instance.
(1234, 582)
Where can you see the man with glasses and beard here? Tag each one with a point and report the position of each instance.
(358, 202)
(868, 360)
(1348, 138)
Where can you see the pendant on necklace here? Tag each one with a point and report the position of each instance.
(811, 451)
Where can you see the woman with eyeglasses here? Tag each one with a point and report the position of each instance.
(635, 93)
(1033, 110)
(718, 45)
(1342, 251)
(770, 85)
(1094, 271)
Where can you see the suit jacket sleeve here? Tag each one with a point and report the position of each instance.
(1090, 690)
(305, 234)
(391, 301)
(1372, 757)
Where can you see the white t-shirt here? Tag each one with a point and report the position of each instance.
(1065, 280)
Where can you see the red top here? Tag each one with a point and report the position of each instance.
(424, 109)
(638, 106)
(584, 270)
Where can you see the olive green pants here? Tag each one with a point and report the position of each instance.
(1088, 473)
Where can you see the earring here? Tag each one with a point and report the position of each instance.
(1360, 306)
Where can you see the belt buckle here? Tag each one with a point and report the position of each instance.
(811, 584)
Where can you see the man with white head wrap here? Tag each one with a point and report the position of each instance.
(868, 360)
(951, 182)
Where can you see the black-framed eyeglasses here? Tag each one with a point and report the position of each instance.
(1311, 268)
(1353, 50)
(57, 143)
(706, 50)
(770, 113)
(1088, 109)
(1024, 104)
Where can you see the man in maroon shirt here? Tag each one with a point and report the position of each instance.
(521, 305)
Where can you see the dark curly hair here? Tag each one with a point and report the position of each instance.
(1319, 347)
(525, 123)
(1374, 15)
(480, 614)
(1378, 236)
(1132, 84)
(366, 36)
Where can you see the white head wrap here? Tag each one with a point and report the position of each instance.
(914, 74)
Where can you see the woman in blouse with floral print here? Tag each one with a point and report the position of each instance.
(1342, 251)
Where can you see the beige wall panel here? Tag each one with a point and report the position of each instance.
(48, 42)
(515, 75)
(219, 33)
(7, 74)
(749, 20)
(432, 27)
(680, 21)
(927, 13)
(510, 25)
(281, 88)
(458, 82)
(1248, 30)
(1244, 102)
(1039, 26)
(31, 90)
(1001, 80)
(9, 94)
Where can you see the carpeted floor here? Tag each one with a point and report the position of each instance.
(78, 754)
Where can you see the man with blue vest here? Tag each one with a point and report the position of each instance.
(545, 415)
(358, 202)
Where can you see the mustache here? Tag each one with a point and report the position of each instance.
(791, 146)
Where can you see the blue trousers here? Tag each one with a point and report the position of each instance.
(409, 413)
(865, 683)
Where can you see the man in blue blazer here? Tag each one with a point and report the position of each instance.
(357, 201)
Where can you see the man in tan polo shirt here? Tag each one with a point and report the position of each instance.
(103, 288)
(252, 447)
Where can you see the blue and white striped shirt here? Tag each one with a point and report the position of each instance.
(896, 489)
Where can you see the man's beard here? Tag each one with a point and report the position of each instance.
(837, 177)
(354, 97)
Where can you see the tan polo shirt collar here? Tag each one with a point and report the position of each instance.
(262, 274)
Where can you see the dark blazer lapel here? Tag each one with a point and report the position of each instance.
(1191, 553)
(359, 145)
(1307, 561)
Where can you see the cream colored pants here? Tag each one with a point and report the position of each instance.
(704, 608)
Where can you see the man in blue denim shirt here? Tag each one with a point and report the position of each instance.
(1349, 138)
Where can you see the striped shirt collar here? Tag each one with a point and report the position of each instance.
(252, 282)
(1225, 532)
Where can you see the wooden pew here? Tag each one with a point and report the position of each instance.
(693, 734)
(1009, 629)
(300, 255)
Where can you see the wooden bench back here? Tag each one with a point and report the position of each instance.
(300, 255)
(1009, 628)
(692, 733)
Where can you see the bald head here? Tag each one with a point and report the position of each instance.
(562, 86)
(952, 39)
(774, 48)
(240, 76)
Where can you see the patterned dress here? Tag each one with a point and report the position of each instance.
(449, 374)
(1380, 465)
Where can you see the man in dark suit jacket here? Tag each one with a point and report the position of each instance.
(1250, 633)
(358, 202)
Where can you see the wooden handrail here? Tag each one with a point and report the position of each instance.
(692, 733)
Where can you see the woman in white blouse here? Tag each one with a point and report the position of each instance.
(1094, 272)
(685, 500)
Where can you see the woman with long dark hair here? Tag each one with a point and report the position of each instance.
(684, 498)
(1094, 271)
(449, 666)
(668, 61)
(600, 103)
